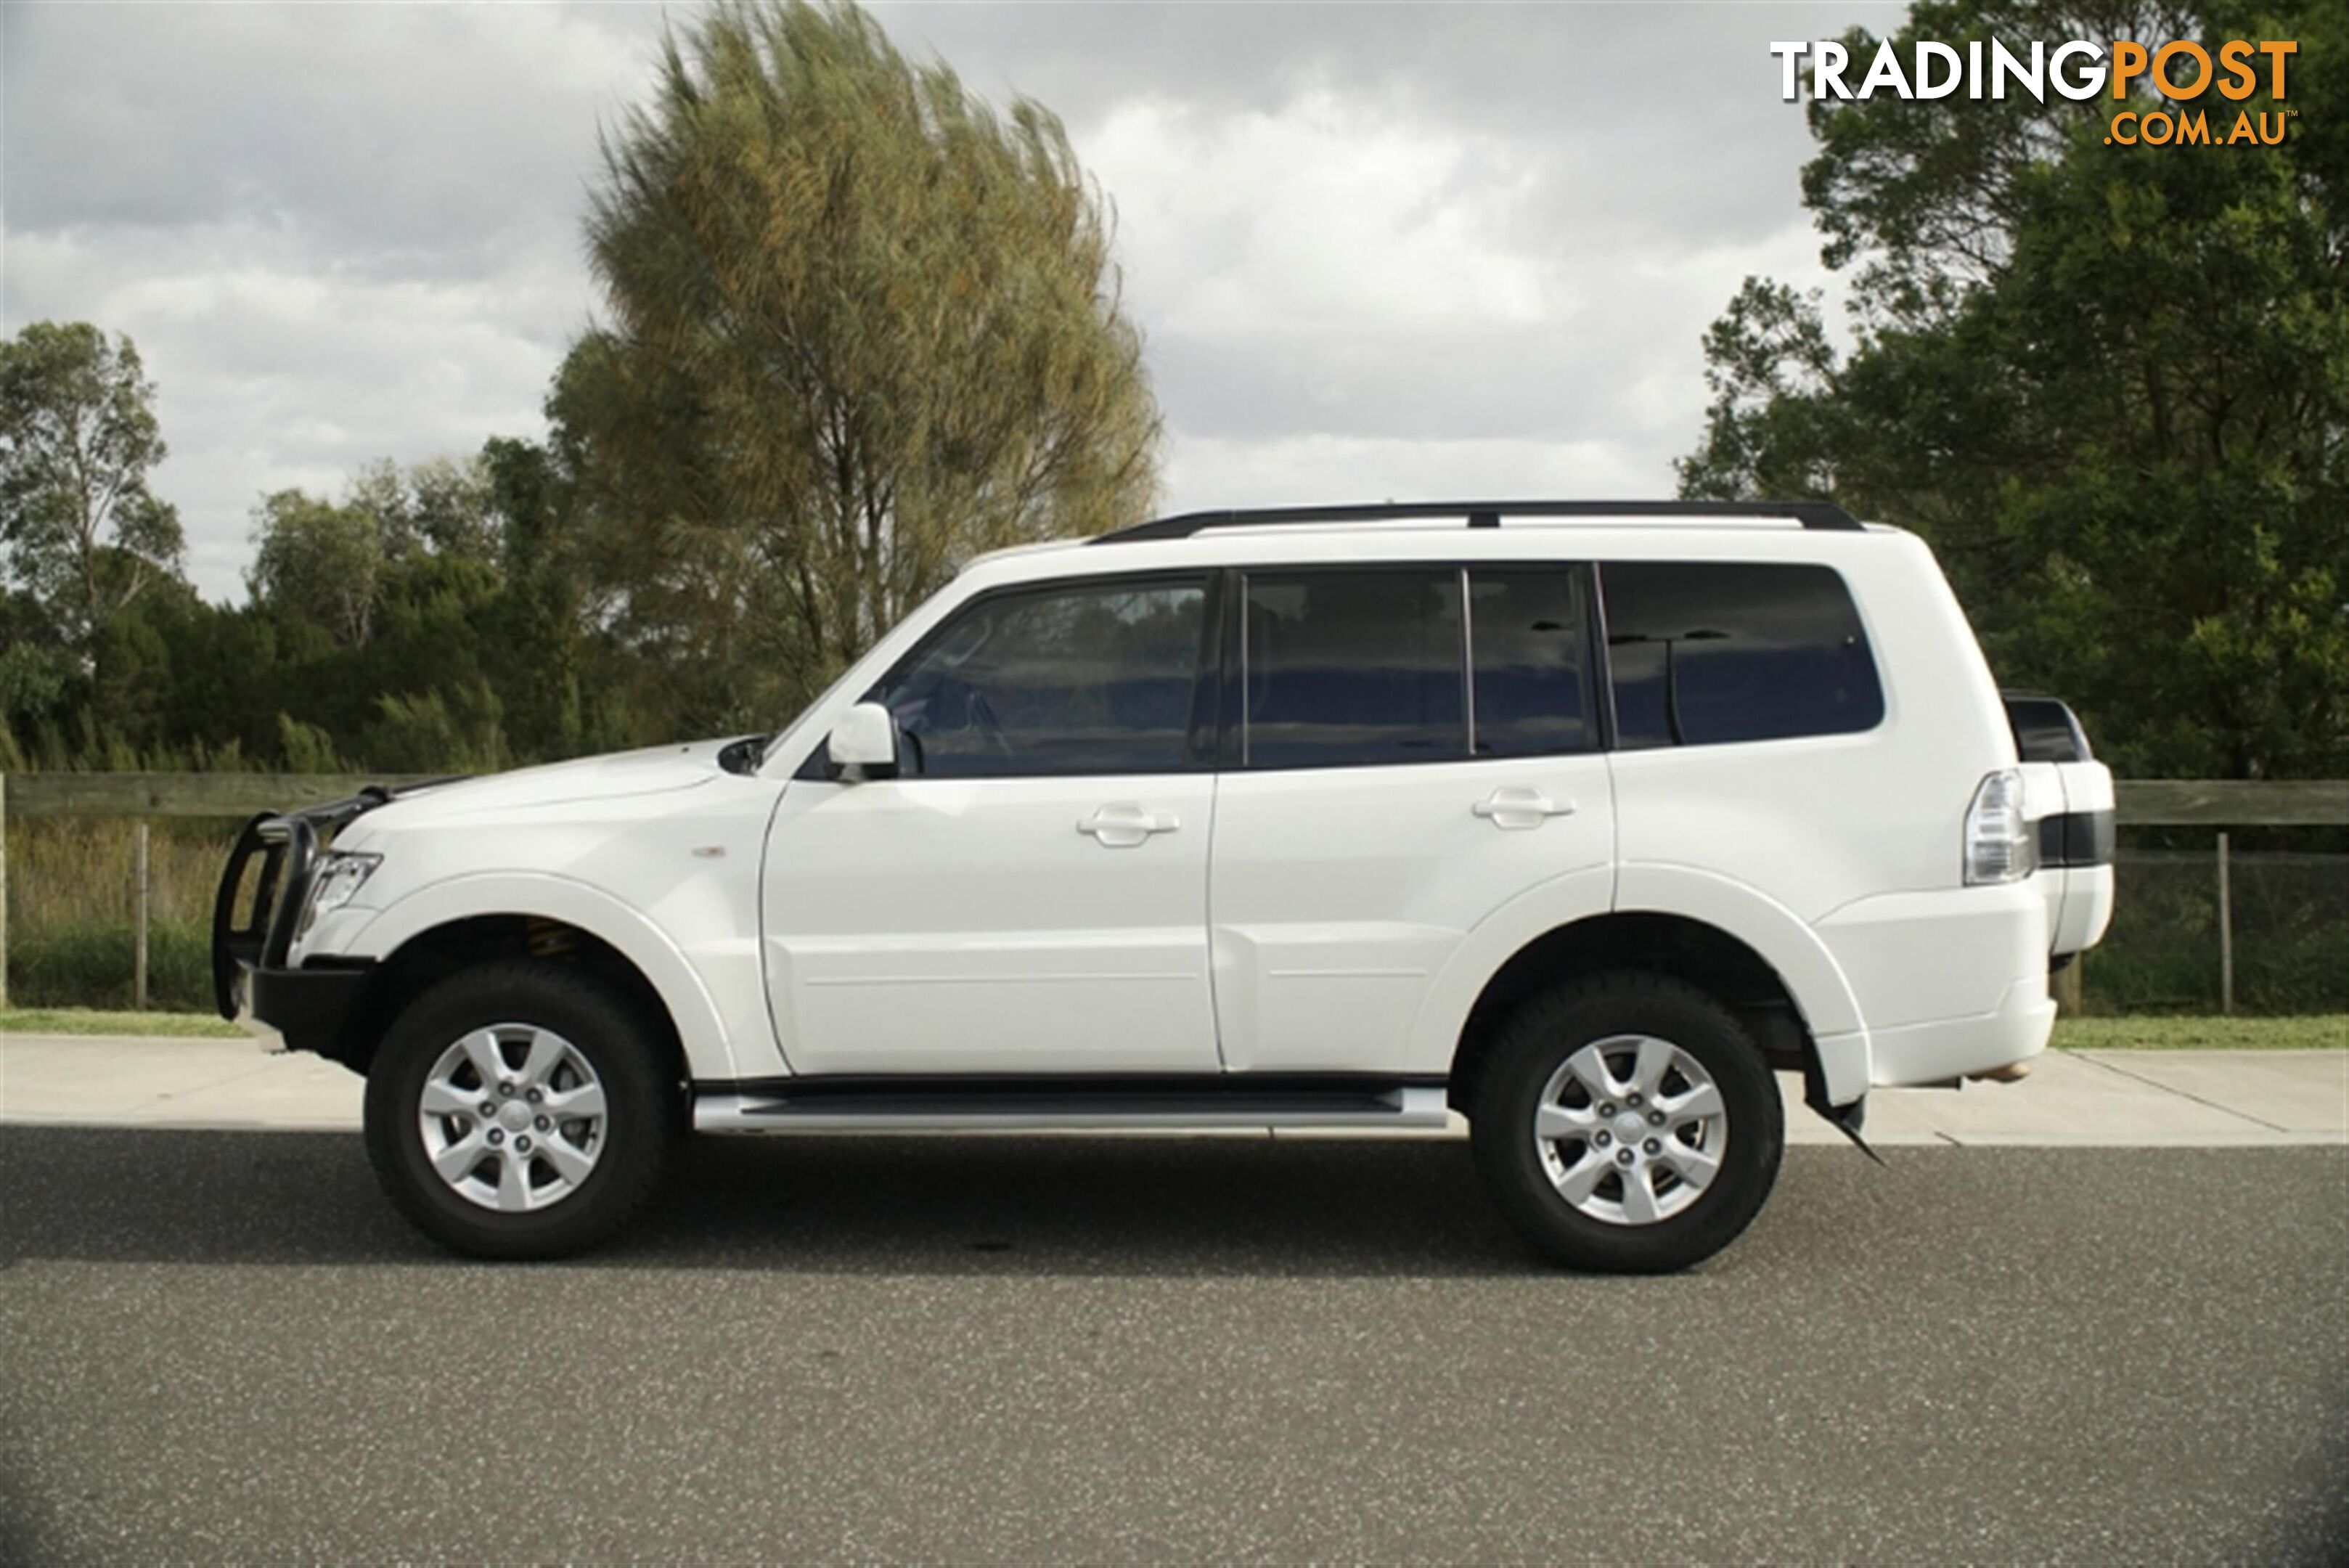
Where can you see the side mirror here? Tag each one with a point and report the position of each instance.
(864, 744)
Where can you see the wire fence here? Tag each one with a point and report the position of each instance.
(2282, 926)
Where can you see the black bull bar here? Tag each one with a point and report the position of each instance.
(256, 932)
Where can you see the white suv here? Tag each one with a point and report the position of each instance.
(1575, 818)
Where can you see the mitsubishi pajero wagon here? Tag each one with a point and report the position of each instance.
(1577, 819)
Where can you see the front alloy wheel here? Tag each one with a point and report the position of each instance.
(513, 1118)
(520, 1110)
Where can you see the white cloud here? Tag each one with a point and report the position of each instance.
(1316, 218)
(1210, 472)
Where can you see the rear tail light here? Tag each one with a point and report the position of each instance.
(2000, 845)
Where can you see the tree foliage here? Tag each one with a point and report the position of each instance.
(2110, 383)
(428, 620)
(862, 327)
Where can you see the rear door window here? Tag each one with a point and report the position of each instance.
(1352, 669)
(1707, 653)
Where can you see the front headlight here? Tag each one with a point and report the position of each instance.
(337, 880)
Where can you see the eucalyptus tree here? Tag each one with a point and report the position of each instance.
(861, 325)
(84, 534)
(317, 562)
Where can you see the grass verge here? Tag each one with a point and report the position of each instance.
(90, 1021)
(2314, 1032)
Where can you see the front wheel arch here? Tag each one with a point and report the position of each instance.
(433, 955)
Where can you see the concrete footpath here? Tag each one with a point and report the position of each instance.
(2080, 1099)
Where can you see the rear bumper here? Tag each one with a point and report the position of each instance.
(1948, 982)
(1949, 1048)
(2080, 905)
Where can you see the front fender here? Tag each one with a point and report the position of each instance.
(701, 1028)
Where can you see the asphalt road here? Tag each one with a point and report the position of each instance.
(218, 1345)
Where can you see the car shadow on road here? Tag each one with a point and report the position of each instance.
(1048, 1207)
(1036, 1205)
(864, 1204)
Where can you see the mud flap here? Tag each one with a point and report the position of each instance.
(1845, 1119)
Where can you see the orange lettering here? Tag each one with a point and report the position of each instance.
(2128, 60)
(2201, 69)
(2277, 53)
(2236, 55)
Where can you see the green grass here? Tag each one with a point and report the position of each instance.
(89, 1020)
(2310, 1034)
(90, 965)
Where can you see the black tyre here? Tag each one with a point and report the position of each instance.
(1626, 1123)
(520, 1110)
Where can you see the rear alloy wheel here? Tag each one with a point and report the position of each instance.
(520, 1110)
(1627, 1123)
(1630, 1129)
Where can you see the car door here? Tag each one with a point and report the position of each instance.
(1029, 894)
(1414, 747)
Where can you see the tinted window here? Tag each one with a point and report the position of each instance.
(2044, 730)
(1352, 668)
(1705, 653)
(1526, 635)
(1077, 679)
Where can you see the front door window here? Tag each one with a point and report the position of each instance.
(1074, 679)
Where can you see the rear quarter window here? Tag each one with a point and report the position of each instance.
(1710, 653)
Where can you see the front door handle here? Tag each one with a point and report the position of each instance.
(1517, 807)
(1125, 825)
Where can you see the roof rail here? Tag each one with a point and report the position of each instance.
(1480, 514)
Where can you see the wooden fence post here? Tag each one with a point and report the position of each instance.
(4, 889)
(2226, 933)
(2063, 985)
(139, 922)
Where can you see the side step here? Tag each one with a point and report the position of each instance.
(1097, 1104)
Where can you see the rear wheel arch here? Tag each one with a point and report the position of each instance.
(1713, 960)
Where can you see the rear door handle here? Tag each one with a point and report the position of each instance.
(1124, 825)
(1517, 807)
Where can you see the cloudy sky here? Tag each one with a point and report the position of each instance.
(1377, 250)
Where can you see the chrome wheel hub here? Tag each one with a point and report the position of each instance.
(513, 1118)
(1630, 1129)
